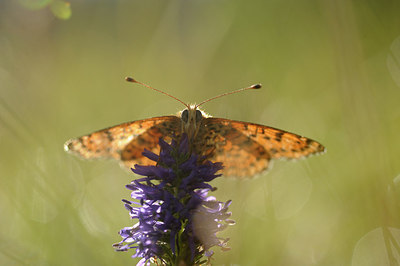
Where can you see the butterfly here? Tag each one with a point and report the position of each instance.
(245, 149)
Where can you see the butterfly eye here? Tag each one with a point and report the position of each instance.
(199, 116)
(185, 116)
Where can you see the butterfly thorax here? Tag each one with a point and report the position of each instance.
(192, 118)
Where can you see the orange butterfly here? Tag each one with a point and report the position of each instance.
(245, 149)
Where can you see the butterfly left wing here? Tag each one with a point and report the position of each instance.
(127, 141)
(246, 149)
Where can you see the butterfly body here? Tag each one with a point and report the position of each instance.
(245, 149)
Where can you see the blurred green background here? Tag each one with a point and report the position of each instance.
(330, 71)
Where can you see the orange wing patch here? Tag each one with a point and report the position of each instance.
(279, 143)
(125, 142)
(246, 149)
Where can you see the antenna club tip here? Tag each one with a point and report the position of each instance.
(256, 86)
(130, 79)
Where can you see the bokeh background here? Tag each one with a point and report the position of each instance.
(330, 70)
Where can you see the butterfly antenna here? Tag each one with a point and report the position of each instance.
(129, 79)
(252, 87)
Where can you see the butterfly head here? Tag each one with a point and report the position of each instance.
(191, 118)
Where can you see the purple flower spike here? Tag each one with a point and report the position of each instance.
(177, 220)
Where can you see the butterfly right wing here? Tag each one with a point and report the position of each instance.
(246, 149)
(127, 141)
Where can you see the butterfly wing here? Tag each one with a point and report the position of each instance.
(126, 142)
(246, 149)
